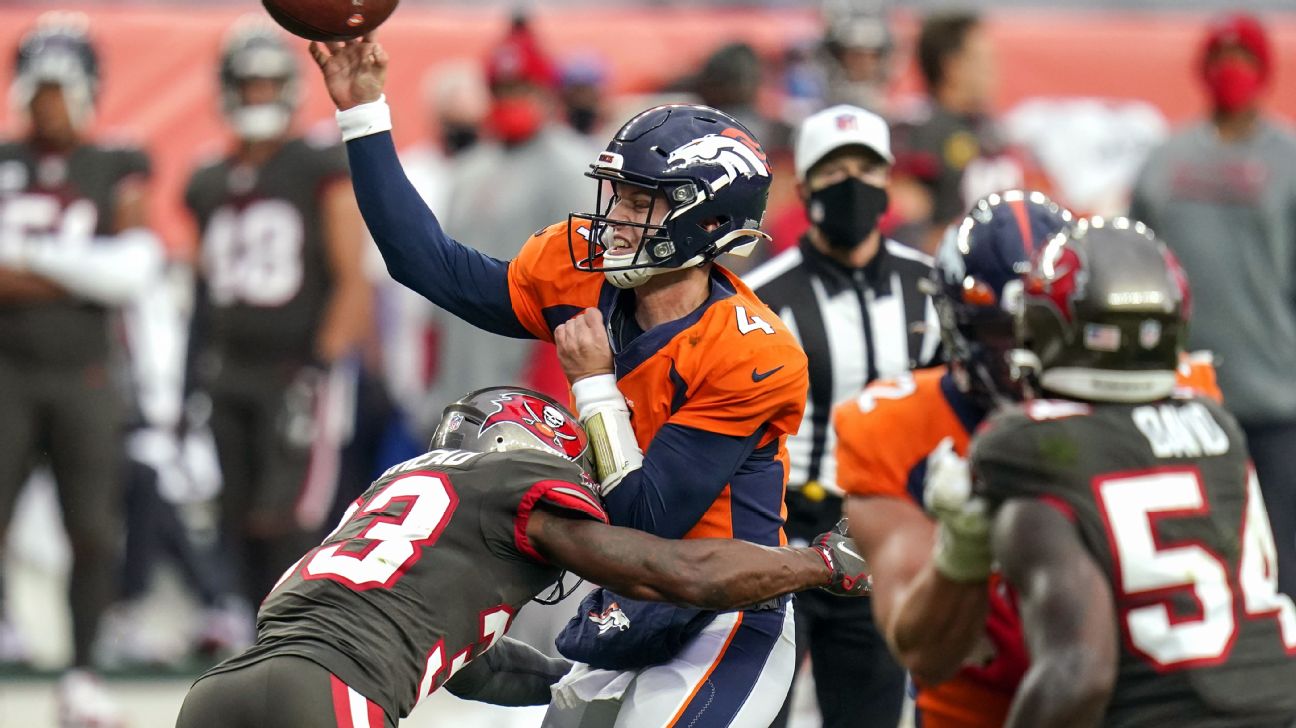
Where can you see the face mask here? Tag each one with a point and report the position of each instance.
(260, 122)
(515, 120)
(1233, 84)
(847, 212)
(582, 120)
(455, 139)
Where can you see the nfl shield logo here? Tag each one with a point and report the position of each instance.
(1149, 333)
(847, 122)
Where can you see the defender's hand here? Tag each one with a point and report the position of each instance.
(963, 520)
(850, 573)
(583, 346)
(355, 71)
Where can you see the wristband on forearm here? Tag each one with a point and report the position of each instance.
(606, 418)
(365, 119)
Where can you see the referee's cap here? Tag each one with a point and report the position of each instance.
(836, 127)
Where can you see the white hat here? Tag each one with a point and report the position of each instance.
(836, 127)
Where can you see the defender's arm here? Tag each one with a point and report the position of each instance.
(1067, 613)
(706, 573)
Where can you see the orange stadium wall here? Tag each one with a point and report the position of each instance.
(159, 64)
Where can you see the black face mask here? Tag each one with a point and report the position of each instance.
(455, 139)
(582, 119)
(847, 212)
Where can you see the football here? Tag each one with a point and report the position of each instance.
(329, 19)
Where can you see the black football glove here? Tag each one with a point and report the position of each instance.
(850, 573)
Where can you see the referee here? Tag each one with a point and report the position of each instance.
(852, 298)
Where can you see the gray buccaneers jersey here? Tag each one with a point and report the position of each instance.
(59, 199)
(424, 573)
(1165, 500)
(263, 252)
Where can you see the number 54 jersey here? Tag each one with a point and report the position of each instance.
(1164, 498)
(425, 573)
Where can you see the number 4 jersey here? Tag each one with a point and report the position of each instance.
(424, 573)
(1163, 496)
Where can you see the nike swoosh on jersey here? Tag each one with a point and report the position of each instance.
(847, 549)
(762, 376)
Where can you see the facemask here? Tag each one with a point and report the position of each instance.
(455, 139)
(515, 120)
(1233, 84)
(260, 122)
(847, 212)
(582, 120)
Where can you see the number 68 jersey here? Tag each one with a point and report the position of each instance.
(1164, 498)
(263, 249)
(425, 573)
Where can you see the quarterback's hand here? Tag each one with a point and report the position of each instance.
(583, 346)
(963, 522)
(850, 573)
(355, 71)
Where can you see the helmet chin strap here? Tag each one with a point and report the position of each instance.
(260, 122)
(636, 277)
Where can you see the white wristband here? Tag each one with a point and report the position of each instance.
(606, 418)
(598, 390)
(365, 119)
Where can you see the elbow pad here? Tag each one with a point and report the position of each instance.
(606, 418)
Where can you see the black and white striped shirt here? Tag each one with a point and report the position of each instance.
(856, 325)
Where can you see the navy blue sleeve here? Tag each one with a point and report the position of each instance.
(418, 253)
(668, 495)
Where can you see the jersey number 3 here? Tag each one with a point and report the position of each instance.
(402, 518)
(1149, 572)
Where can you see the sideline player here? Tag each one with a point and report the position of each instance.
(283, 297)
(74, 246)
(1130, 521)
(688, 404)
(429, 566)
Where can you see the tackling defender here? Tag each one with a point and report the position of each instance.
(429, 566)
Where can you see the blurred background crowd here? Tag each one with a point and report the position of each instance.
(204, 397)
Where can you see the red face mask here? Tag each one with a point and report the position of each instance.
(1233, 84)
(515, 120)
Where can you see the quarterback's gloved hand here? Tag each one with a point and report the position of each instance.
(963, 522)
(850, 573)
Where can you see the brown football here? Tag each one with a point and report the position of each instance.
(329, 19)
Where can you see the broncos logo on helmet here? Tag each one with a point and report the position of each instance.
(547, 423)
(737, 156)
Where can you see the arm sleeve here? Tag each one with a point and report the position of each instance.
(108, 270)
(511, 673)
(418, 253)
(668, 495)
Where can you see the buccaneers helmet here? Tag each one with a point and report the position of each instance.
(979, 268)
(58, 52)
(499, 419)
(715, 179)
(255, 49)
(1105, 313)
